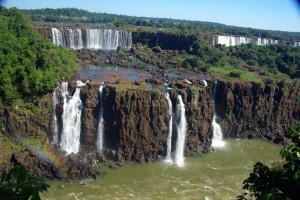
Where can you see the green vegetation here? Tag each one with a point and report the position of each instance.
(77, 16)
(19, 184)
(280, 181)
(30, 65)
(269, 64)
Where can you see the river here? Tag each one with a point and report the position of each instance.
(217, 175)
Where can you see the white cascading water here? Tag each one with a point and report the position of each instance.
(169, 141)
(237, 40)
(54, 117)
(230, 40)
(217, 139)
(70, 136)
(60, 91)
(75, 39)
(181, 125)
(95, 38)
(57, 37)
(108, 39)
(100, 130)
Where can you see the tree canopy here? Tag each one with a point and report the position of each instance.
(30, 65)
(280, 181)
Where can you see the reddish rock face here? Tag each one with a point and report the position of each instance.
(136, 121)
(254, 111)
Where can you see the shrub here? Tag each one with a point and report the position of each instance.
(19, 184)
(281, 181)
(235, 74)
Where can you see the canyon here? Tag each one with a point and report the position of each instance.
(135, 118)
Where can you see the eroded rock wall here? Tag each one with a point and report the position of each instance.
(136, 121)
(254, 111)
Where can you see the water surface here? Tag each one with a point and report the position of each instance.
(217, 175)
(110, 74)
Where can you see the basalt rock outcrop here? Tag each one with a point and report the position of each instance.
(164, 40)
(136, 122)
(251, 110)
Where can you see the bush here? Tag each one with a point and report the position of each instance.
(235, 74)
(281, 181)
(30, 65)
(19, 184)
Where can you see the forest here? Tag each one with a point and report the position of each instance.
(30, 65)
(73, 15)
(270, 64)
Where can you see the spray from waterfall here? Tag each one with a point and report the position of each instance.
(181, 125)
(100, 131)
(169, 141)
(217, 139)
(70, 136)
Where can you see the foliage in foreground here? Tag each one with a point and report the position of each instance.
(18, 184)
(277, 182)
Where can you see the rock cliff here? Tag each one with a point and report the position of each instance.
(136, 122)
(254, 111)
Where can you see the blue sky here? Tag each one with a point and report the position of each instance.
(263, 14)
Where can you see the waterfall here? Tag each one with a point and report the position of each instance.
(108, 39)
(70, 136)
(54, 118)
(214, 91)
(181, 125)
(100, 131)
(169, 142)
(217, 139)
(61, 92)
(57, 37)
(258, 41)
(238, 40)
(95, 38)
(230, 40)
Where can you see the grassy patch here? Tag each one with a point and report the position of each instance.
(226, 71)
(8, 146)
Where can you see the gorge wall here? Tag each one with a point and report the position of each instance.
(164, 40)
(255, 111)
(136, 122)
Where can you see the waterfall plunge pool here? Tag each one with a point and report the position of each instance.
(217, 175)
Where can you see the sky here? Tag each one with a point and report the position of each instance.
(281, 15)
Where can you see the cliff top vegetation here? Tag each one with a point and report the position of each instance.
(73, 15)
(31, 65)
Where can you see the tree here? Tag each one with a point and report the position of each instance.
(18, 184)
(280, 181)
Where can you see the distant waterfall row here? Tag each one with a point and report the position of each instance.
(237, 40)
(181, 127)
(76, 38)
